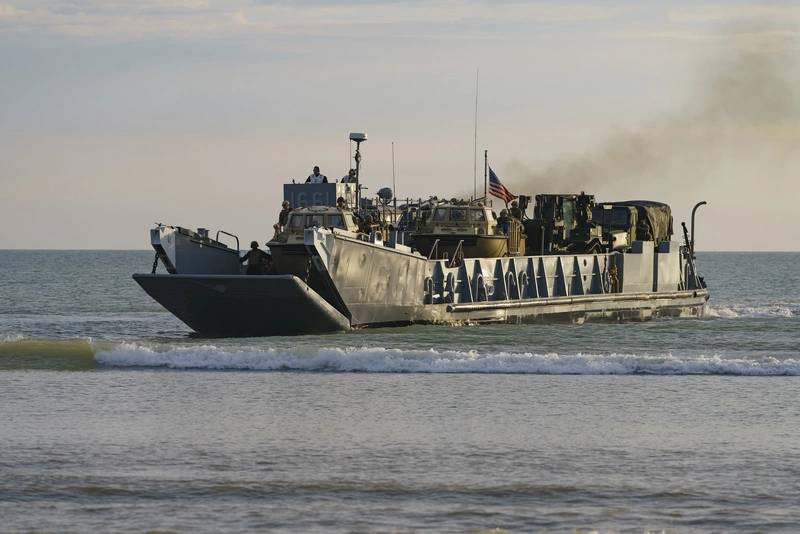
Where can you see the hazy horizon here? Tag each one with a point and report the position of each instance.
(195, 113)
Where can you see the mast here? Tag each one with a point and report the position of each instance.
(394, 185)
(394, 190)
(358, 138)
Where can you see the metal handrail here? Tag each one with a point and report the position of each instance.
(458, 255)
(229, 234)
(434, 250)
(694, 210)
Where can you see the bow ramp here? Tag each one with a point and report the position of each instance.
(241, 305)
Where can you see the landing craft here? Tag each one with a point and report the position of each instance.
(344, 261)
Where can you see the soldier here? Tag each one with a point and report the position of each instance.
(316, 178)
(515, 211)
(366, 226)
(504, 221)
(256, 259)
(350, 178)
(283, 217)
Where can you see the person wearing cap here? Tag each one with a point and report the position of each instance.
(316, 178)
(256, 259)
(340, 203)
(350, 178)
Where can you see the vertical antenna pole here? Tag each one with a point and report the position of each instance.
(475, 144)
(394, 184)
(394, 189)
(485, 173)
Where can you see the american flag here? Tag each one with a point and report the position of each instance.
(499, 190)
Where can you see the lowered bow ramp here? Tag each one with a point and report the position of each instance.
(240, 305)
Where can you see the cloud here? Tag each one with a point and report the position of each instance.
(8, 11)
(122, 19)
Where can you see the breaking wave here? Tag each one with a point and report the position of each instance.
(385, 360)
(18, 352)
(747, 311)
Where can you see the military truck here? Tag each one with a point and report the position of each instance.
(578, 224)
(640, 220)
(563, 223)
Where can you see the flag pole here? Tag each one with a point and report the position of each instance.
(485, 174)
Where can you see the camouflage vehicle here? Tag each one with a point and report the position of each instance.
(468, 230)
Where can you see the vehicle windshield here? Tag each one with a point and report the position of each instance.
(458, 214)
(478, 215)
(315, 220)
(440, 214)
(619, 217)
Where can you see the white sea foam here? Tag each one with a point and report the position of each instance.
(761, 311)
(10, 338)
(383, 360)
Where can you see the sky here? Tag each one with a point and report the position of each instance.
(115, 115)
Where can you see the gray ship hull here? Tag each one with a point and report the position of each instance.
(355, 282)
(236, 306)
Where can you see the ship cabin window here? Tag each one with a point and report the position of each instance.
(458, 214)
(478, 215)
(296, 222)
(315, 220)
(440, 214)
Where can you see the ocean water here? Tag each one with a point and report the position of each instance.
(115, 418)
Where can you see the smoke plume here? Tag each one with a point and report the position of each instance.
(737, 145)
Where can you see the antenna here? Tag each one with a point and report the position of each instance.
(475, 143)
(394, 185)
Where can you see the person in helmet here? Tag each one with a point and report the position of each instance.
(283, 217)
(256, 259)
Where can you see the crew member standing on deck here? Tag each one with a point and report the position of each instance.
(350, 178)
(316, 178)
(504, 221)
(514, 211)
(256, 259)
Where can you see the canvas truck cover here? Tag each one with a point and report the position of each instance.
(657, 215)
